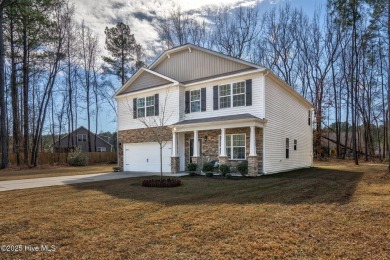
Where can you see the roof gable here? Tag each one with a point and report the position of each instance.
(143, 79)
(190, 62)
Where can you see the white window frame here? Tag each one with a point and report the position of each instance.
(197, 100)
(231, 95)
(82, 139)
(101, 149)
(232, 146)
(239, 94)
(146, 106)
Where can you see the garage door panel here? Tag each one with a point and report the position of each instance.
(145, 157)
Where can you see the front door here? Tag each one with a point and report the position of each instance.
(192, 148)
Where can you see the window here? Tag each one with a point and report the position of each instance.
(150, 106)
(101, 149)
(224, 96)
(232, 92)
(287, 148)
(235, 146)
(140, 107)
(309, 118)
(195, 100)
(239, 94)
(295, 145)
(81, 138)
(146, 106)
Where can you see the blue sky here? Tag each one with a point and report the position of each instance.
(141, 14)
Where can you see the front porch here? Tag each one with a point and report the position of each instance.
(229, 140)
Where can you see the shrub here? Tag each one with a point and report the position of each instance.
(192, 173)
(207, 167)
(77, 158)
(191, 167)
(224, 169)
(209, 174)
(164, 183)
(228, 175)
(386, 159)
(242, 168)
(116, 168)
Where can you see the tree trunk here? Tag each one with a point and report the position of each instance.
(388, 70)
(3, 121)
(25, 97)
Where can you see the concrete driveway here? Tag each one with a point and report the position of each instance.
(65, 180)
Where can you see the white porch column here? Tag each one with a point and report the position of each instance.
(174, 144)
(196, 144)
(223, 142)
(252, 142)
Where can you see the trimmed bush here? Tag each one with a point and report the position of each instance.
(116, 168)
(224, 169)
(164, 183)
(228, 175)
(242, 168)
(207, 167)
(192, 173)
(77, 158)
(209, 174)
(191, 167)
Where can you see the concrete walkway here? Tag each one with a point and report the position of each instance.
(65, 180)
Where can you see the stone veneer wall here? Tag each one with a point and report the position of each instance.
(140, 136)
(210, 149)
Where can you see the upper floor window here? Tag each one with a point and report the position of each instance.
(232, 92)
(81, 138)
(224, 96)
(287, 148)
(101, 149)
(239, 94)
(295, 144)
(195, 100)
(146, 106)
(309, 118)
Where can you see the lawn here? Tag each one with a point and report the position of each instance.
(51, 171)
(330, 211)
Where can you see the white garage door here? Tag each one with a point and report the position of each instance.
(145, 157)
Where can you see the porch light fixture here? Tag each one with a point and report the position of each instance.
(205, 138)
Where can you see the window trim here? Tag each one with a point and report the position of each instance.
(231, 96)
(198, 100)
(145, 106)
(82, 138)
(232, 146)
(104, 148)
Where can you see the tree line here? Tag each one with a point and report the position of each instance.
(338, 58)
(52, 72)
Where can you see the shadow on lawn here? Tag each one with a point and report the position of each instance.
(314, 185)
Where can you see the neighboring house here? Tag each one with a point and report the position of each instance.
(236, 110)
(79, 138)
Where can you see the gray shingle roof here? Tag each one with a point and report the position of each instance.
(217, 119)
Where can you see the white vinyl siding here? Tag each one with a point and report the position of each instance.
(255, 109)
(286, 118)
(125, 114)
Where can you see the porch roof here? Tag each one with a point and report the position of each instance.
(230, 121)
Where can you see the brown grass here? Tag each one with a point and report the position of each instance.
(14, 173)
(331, 211)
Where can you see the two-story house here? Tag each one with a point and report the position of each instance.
(215, 107)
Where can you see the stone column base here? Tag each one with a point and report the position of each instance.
(175, 164)
(253, 165)
(197, 160)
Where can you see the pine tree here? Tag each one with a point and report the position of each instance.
(123, 48)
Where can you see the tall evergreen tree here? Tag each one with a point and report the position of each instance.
(123, 48)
